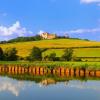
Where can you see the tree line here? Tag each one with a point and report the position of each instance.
(10, 54)
(35, 38)
(22, 39)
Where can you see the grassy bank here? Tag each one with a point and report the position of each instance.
(89, 65)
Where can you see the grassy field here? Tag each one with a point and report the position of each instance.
(24, 48)
(80, 52)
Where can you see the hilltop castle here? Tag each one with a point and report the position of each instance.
(46, 35)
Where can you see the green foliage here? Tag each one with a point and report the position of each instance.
(84, 50)
(1, 54)
(76, 58)
(81, 47)
(45, 58)
(52, 57)
(24, 39)
(36, 54)
(10, 54)
(52, 64)
(37, 37)
(67, 56)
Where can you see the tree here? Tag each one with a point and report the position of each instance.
(37, 37)
(52, 56)
(1, 54)
(68, 54)
(10, 54)
(36, 54)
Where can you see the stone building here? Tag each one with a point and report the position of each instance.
(46, 35)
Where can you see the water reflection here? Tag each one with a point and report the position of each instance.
(10, 85)
(46, 76)
(84, 85)
(47, 82)
(15, 87)
(28, 82)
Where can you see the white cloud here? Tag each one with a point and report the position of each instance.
(99, 4)
(94, 30)
(13, 31)
(91, 34)
(40, 32)
(90, 1)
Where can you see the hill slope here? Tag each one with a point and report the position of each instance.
(25, 47)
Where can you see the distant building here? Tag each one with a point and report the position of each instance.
(46, 35)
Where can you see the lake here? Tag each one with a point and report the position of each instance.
(40, 83)
(12, 89)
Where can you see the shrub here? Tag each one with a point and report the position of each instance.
(1, 54)
(35, 55)
(68, 54)
(52, 57)
(10, 54)
(76, 58)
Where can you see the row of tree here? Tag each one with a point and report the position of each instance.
(36, 55)
(31, 38)
(10, 54)
(22, 39)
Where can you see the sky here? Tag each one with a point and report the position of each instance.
(78, 18)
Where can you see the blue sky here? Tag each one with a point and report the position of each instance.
(78, 18)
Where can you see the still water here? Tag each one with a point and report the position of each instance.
(48, 89)
(42, 83)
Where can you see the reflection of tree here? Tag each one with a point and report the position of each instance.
(47, 79)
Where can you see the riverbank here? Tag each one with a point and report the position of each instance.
(50, 64)
(32, 71)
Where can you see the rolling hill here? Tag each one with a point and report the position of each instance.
(82, 48)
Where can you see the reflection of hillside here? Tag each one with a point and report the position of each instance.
(47, 81)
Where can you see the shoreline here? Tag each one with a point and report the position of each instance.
(52, 64)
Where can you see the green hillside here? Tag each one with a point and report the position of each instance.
(82, 48)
